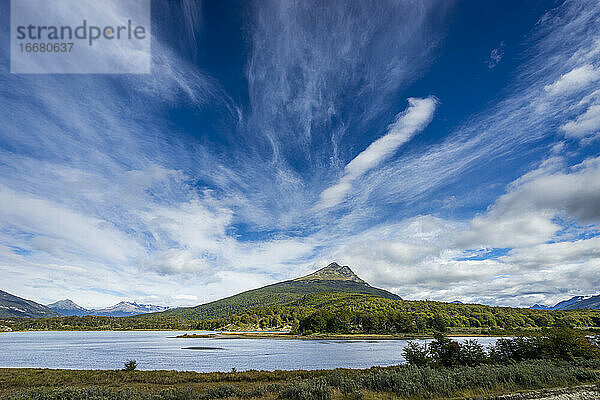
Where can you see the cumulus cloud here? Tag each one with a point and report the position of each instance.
(178, 261)
(573, 80)
(547, 256)
(516, 253)
(407, 124)
(525, 215)
(585, 124)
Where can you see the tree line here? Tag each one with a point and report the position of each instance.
(337, 313)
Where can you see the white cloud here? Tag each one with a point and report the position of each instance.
(525, 215)
(585, 124)
(308, 60)
(63, 231)
(407, 124)
(547, 256)
(178, 261)
(573, 80)
(429, 257)
(523, 229)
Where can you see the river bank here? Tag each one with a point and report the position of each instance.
(333, 336)
(398, 382)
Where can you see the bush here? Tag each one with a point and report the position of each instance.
(472, 353)
(445, 352)
(355, 395)
(99, 393)
(314, 389)
(433, 382)
(417, 355)
(552, 344)
(221, 391)
(130, 365)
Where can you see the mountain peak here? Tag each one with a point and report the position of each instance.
(66, 304)
(333, 272)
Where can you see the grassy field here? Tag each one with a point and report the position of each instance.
(401, 382)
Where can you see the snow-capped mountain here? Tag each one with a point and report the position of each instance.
(67, 308)
(123, 309)
(573, 303)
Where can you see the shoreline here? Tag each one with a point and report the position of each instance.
(289, 336)
(281, 335)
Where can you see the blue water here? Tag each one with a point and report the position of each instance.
(161, 350)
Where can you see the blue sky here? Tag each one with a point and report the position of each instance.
(444, 150)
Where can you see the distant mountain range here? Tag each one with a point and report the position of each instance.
(332, 278)
(574, 303)
(123, 309)
(13, 306)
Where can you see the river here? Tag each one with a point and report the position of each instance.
(161, 350)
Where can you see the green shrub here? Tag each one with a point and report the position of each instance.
(130, 365)
(355, 395)
(472, 353)
(314, 389)
(99, 393)
(445, 352)
(417, 355)
(554, 344)
(221, 391)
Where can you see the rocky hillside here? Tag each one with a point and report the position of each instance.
(13, 306)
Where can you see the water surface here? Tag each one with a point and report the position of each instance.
(161, 350)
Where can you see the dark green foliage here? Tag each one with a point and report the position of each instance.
(556, 344)
(429, 382)
(337, 313)
(130, 365)
(417, 355)
(221, 391)
(439, 323)
(315, 389)
(96, 323)
(101, 393)
(472, 353)
(445, 352)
